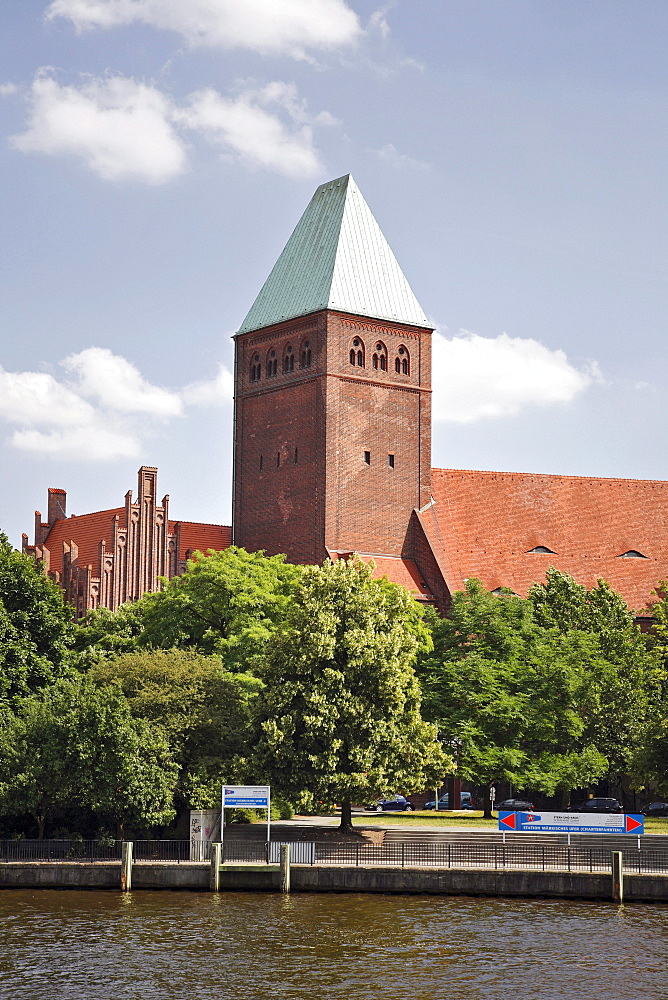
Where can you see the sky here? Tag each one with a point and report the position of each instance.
(155, 156)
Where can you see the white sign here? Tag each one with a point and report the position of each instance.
(245, 796)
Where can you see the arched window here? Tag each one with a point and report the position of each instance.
(356, 353)
(272, 364)
(402, 363)
(380, 356)
(288, 360)
(255, 369)
(305, 355)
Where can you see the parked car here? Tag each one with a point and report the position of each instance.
(443, 802)
(599, 806)
(399, 802)
(515, 805)
(656, 809)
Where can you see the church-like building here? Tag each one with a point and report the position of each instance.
(333, 436)
(332, 453)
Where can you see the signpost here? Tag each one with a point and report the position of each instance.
(549, 822)
(245, 797)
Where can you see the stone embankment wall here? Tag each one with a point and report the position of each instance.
(305, 878)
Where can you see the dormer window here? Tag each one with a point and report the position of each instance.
(541, 550)
(632, 554)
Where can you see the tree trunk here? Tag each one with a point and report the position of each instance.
(41, 822)
(346, 816)
(487, 804)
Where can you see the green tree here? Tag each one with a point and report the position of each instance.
(202, 710)
(340, 712)
(75, 744)
(507, 692)
(35, 625)
(227, 602)
(623, 679)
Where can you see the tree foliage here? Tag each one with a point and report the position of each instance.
(340, 712)
(227, 603)
(76, 744)
(202, 711)
(35, 625)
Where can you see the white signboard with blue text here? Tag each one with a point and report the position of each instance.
(550, 822)
(246, 796)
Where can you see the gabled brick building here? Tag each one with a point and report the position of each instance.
(112, 556)
(333, 429)
(332, 454)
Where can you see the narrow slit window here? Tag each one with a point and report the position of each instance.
(367, 458)
(278, 459)
(296, 456)
(390, 461)
(260, 463)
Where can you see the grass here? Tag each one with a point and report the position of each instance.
(460, 820)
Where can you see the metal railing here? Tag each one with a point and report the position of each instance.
(93, 850)
(411, 854)
(535, 857)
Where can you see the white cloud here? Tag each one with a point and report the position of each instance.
(285, 27)
(401, 161)
(477, 377)
(119, 127)
(7, 88)
(240, 125)
(36, 398)
(217, 391)
(118, 385)
(81, 444)
(127, 130)
(100, 410)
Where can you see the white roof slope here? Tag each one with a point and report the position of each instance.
(337, 258)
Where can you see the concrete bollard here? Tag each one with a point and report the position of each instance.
(126, 866)
(285, 868)
(618, 876)
(214, 878)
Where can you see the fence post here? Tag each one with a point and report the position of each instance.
(357, 854)
(285, 868)
(403, 854)
(618, 876)
(214, 874)
(126, 866)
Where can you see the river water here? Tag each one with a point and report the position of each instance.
(148, 945)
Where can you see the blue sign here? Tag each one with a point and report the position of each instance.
(549, 822)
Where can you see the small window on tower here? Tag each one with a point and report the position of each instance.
(255, 369)
(356, 353)
(260, 463)
(272, 364)
(305, 356)
(296, 456)
(390, 461)
(278, 459)
(367, 457)
(288, 360)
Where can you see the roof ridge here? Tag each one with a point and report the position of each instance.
(555, 475)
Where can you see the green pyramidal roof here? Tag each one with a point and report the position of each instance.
(337, 258)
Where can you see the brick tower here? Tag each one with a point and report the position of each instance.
(332, 393)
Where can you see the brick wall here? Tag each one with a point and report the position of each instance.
(342, 422)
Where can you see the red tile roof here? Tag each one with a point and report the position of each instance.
(397, 570)
(200, 537)
(87, 530)
(484, 525)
